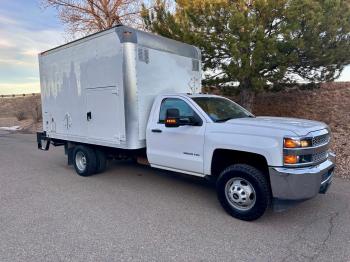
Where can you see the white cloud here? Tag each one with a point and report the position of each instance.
(22, 46)
(19, 88)
(6, 43)
(30, 52)
(16, 62)
(29, 41)
(19, 49)
(7, 20)
(33, 78)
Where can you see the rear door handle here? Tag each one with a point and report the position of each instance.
(156, 131)
(88, 116)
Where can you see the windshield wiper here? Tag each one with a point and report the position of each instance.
(223, 120)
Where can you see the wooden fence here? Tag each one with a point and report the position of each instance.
(19, 95)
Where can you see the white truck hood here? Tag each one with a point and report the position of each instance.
(300, 127)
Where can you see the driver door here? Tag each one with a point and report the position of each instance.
(179, 148)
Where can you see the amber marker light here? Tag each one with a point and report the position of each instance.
(291, 160)
(291, 143)
(171, 121)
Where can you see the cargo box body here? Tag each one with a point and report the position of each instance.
(100, 89)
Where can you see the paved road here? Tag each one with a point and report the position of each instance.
(135, 213)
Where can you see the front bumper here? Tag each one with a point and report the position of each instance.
(302, 183)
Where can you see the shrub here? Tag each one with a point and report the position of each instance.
(20, 115)
(37, 113)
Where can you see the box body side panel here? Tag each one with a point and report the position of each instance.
(160, 72)
(84, 78)
(100, 90)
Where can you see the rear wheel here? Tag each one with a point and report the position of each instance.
(243, 191)
(84, 160)
(101, 161)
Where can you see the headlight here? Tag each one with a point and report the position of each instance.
(293, 145)
(296, 143)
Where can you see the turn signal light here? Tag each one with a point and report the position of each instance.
(170, 121)
(296, 143)
(291, 143)
(291, 159)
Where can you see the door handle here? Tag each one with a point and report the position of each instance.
(156, 131)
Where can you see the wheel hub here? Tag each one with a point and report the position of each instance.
(80, 160)
(240, 193)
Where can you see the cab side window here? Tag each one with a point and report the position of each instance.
(185, 110)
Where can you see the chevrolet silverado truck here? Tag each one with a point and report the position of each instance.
(126, 94)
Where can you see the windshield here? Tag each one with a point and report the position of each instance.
(221, 109)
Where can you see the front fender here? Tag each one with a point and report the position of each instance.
(268, 147)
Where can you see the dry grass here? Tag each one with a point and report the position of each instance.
(9, 107)
(21, 111)
(37, 113)
(20, 115)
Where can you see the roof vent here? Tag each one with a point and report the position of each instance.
(143, 54)
(195, 65)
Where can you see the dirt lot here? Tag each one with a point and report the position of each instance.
(330, 104)
(20, 111)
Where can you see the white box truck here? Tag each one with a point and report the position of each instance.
(123, 93)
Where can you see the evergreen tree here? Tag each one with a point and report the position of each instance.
(259, 42)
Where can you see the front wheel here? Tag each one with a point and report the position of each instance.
(243, 191)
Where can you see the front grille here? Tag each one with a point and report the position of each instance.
(319, 157)
(320, 140)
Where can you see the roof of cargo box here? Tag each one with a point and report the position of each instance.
(130, 35)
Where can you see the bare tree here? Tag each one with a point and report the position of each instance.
(82, 17)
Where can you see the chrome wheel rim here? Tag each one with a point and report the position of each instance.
(240, 193)
(80, 160)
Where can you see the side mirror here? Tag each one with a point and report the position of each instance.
(172, 117)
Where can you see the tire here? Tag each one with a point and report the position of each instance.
(84, 159)
(101, 161)
(243, 192)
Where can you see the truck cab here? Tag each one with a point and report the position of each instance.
(255, 160)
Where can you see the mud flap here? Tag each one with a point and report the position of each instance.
(68, 151)
(43, 141)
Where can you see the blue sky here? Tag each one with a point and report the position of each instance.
(25, 30)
